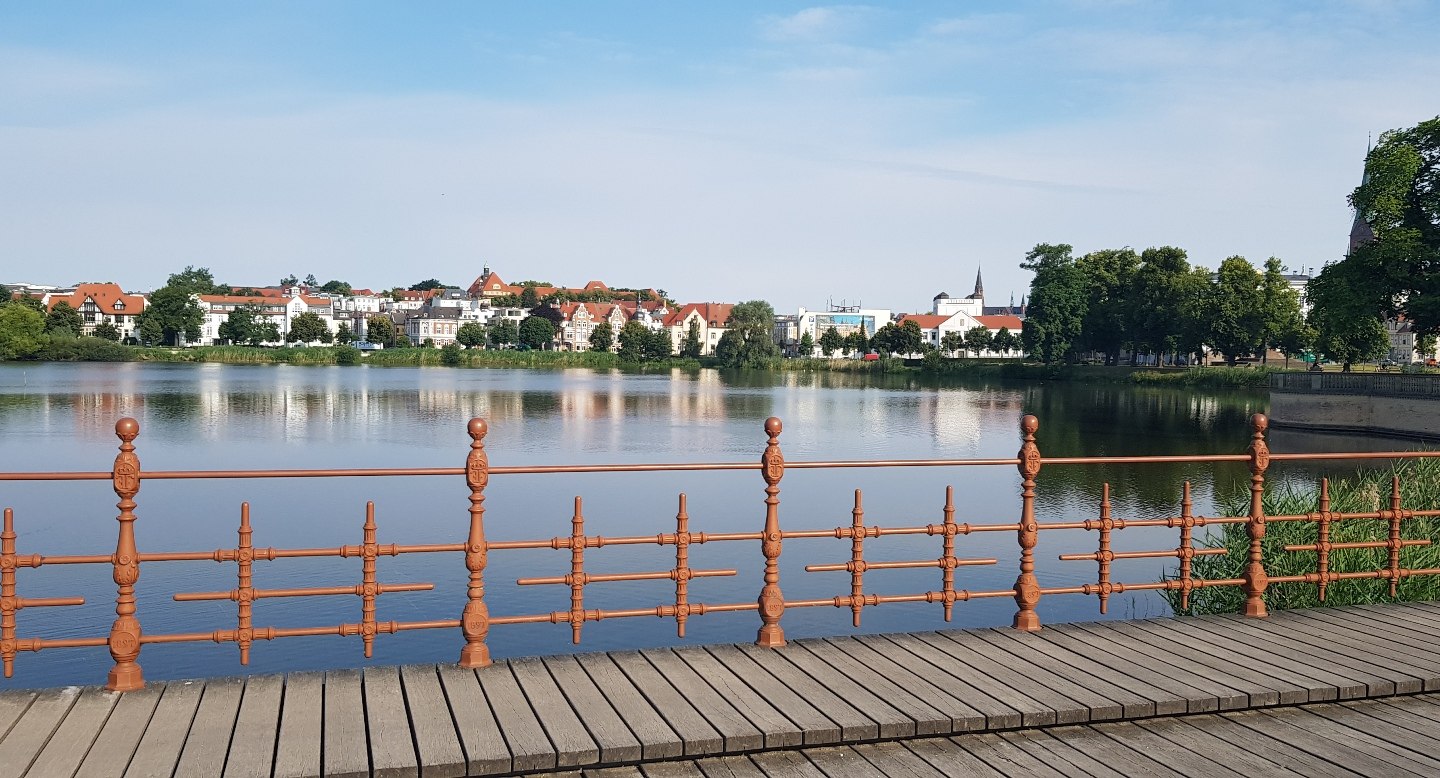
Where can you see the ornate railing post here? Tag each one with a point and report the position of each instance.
(475, 622)
(1027, 589)
(772, 603)
(1255, 578)
(124, 638)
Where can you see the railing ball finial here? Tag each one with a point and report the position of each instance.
(477, 428)
(127, 429)
(1030, 425)
(1259, 423)
(773, 427)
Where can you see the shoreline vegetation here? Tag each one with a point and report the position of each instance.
(99, 350)
(1362, 492)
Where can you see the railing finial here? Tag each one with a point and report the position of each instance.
(475, 620)
(771, 602)
(124, 640)
(1027, 588)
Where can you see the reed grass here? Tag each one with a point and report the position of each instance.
(1363, 492)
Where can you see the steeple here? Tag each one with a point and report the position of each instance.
(1360, 231)
(979, 286)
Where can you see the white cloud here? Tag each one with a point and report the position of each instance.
(821, 23)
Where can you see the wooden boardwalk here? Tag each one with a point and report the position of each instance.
(1154, 697)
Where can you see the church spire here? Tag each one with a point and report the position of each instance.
(979, 286)
(1360, 231)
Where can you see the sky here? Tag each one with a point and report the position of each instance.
(874, 154)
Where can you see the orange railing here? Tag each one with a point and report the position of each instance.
(126, 637)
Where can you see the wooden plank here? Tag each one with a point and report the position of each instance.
(1414, 748)
(936, 669)
(615, 740)
(995, 676)
(685, 769)
(739, 732)
(1279, 652)
(343, 750)
(696, 734)
(1407, 712)
(1174, 755)
(564, 725)
(1070, 759)
(854, 724)
(1267, 683)
(956, 700)
(1192, 693)
(1424, 644)
(897, 761)
(302, 711)
(1005, 757)
(657, 739)
(1416, 658)
(842, 762)
(76, 734)
(1233, 756)
(729, 767)
(475, 724)
(1359, 758)
(1135, 698)
(777, 730)
(29, 735)
(1114, 753)
(164, 737)
(210, 731)
(815, 727)
(1003, 706)
(624, 771)
(257, 727)
(847, 656)
(1343, 650)
(436, 743)
(1193, 667)
(12, 706)
(786, 764)
(892, 723)
(1281, 752)
(387, 724)
(118, 739)
(529, 748)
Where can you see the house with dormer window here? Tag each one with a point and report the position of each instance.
(102, 303)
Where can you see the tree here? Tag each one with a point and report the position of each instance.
(910, 337)
(690, 346)
(1348, 327)
(311, 281)
(343, 334)
(289, 280)
(336, 287)
(1279, 310)
(1157, 299)
(749, 338)
(379, 329)
(550, 313)
(1235, 302)
(148, 332)
(633, 339)
(241, 326)
(33, 303)
(952, 342)
(108, 331)
(1397, 264)
(807, 345)
(1109, 276)
(1193, 292)
(471, 334)
(979, 339)
(1057, 303)
(536, 332)
(22, 332)
(858, 342)
(656, 345)
(831, 341)
(308, 328)
(427, 285)
(529, 298)
(450, 354)
(174, 314)
(502, 332)
(63, 319)
(197, 280)
(602, 337)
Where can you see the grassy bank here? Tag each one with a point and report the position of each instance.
(1362, 492)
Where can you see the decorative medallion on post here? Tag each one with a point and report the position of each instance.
(772, 603)
(1255, 578)
(124, 639)
(475, 622)
(1027, 589)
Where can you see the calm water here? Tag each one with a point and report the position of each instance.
(61, 417)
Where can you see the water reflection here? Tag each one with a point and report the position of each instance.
(61, 417)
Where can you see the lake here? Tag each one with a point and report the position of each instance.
(61, 417)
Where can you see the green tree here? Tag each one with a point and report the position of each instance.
(831, 341)
(1005, 341)
(290, 280)
(427, 285)
(537, 332)
(1157, 299)
(471, 334)
(502, 332)
(807, 345)
(1056, 311)
(1280, 310)
(529, 298)
(148, 332)
(1193, 329)
(197, 280)
(242, 326)
(343, 334)
(749, 338)
(107, 331)
(174, 314)
(1235, 302)
(1109, 277)
(336, 287)
(979, 339)
(910, 338)
(22, 332)
(308, 328)
(858, 342)
(952, 342)
(691, 346)
(379, 329)
(602, 337)
(450, 354)
(657, 344)
(63, 319)
(311, 280)
(1348, 327)
(633, 338)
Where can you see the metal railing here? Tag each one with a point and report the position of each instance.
(1391, 385)
(126, 638)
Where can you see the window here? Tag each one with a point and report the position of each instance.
(119, 305)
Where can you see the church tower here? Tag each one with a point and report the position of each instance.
(979, 287)
(1360, 231)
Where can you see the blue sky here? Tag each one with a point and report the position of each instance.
(721, 151)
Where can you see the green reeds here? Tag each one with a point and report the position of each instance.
(1363, 492)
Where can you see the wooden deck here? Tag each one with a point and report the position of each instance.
(1154, 697)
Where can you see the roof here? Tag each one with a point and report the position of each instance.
(235, 299)
(1012, 323)
(719, 313)
(926, 321)
(105, 297)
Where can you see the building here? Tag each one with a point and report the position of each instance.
(218, 307)
(101, 303)
(711, 319)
